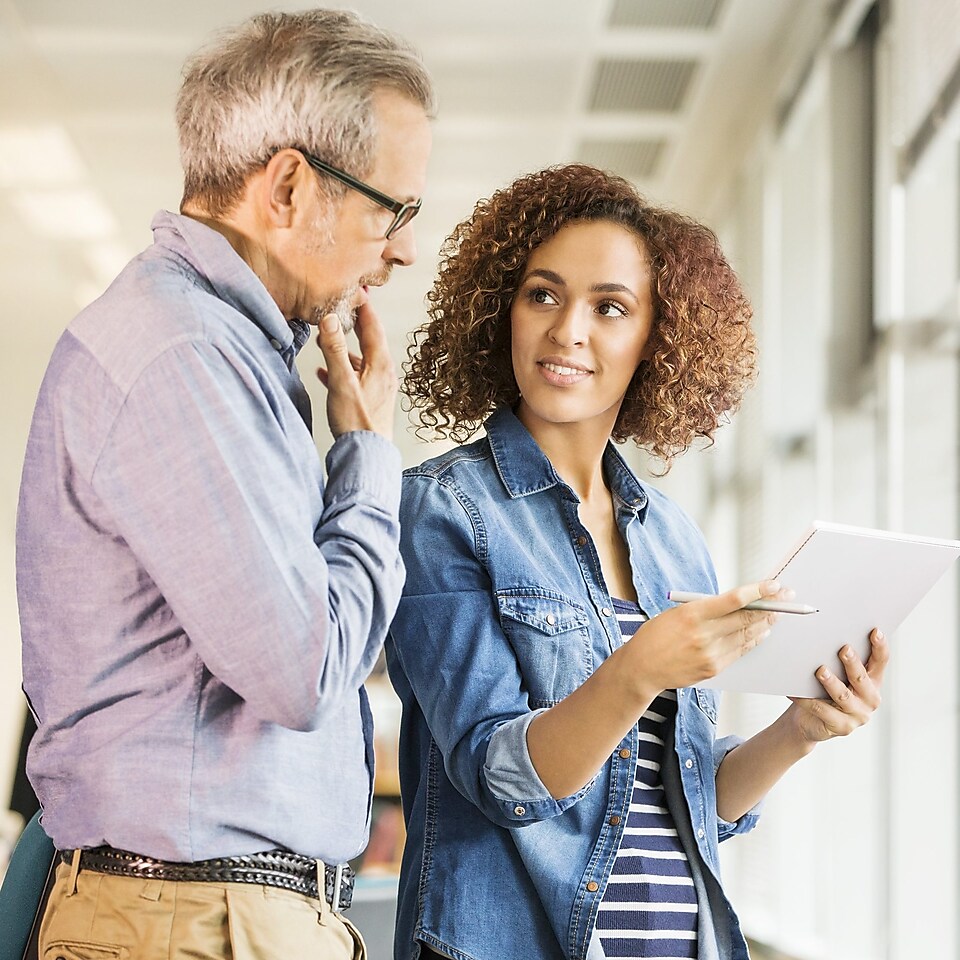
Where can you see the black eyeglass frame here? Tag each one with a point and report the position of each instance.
(403, 212)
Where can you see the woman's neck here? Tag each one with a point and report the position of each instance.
(576, 452)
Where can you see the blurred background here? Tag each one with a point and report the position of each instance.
(819, 138)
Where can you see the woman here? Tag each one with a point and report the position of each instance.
(563, 787)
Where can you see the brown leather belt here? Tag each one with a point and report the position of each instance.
(273, 868)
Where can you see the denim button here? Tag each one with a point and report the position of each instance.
(614, 821)
(581, 541)
(688, 764)
(700, 833)
(276, 344)
(606, 611)
(624, 753)
(551, 619)
(519, 811)
(593, 886)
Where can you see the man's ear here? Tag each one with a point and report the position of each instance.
(286, 181)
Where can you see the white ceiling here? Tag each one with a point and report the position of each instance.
(661, 90)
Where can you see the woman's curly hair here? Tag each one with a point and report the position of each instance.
(459, 367)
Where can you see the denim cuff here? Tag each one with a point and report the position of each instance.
(513, 780)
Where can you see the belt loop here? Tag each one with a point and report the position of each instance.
(74, 870)
(337, 880)
(321, 894)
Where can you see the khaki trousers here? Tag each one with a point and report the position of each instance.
(94, 916)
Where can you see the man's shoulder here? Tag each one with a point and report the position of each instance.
(154, 305)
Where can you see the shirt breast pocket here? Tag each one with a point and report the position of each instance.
(549, 636)
(707, 702)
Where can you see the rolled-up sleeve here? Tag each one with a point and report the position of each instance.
(726, 828)
(458, 663)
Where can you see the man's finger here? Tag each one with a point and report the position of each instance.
(333, 344)
(371, 336)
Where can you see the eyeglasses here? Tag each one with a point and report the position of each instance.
(403, 212)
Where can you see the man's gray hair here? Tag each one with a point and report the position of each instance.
(277, 80)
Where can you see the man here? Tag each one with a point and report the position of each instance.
(199, 607)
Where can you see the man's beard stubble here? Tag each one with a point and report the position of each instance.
(342, 304)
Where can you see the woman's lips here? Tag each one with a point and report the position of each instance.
(560, 374)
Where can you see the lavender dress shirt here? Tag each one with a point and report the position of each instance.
(199, 605)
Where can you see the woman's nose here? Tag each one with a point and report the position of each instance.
(570, 328)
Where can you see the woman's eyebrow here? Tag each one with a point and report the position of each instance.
(613, 288)
(556, 279)
(547, 275)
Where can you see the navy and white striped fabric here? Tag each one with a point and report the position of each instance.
(649, 908)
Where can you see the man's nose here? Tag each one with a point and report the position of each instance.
(401, 248)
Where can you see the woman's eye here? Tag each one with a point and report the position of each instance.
(610, 309)
(539, 295)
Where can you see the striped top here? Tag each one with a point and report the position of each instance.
(649, 908)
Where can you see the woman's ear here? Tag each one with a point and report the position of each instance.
(649, 348)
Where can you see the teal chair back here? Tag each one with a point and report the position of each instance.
(23, 893)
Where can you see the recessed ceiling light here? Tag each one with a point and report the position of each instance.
(66, 214)
(38, 156)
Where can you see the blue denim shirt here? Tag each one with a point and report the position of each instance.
(504, 614)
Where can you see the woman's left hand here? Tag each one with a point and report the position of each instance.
(851, 703)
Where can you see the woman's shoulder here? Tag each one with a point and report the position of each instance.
(453, 464)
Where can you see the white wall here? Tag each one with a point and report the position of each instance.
(844, 224)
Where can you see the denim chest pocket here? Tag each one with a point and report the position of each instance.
(707, 702)
(549, 637)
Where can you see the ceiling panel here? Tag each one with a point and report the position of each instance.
(641, 85)
(686, 14)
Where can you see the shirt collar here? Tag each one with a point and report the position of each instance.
(524, 468)
(210, 254)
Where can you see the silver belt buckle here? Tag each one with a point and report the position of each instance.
(337, 880)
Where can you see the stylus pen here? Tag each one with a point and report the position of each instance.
(772, 606)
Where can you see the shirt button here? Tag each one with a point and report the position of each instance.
(593, 886)
(581, 541)
(688, 764)
(624, 754)
(614, 821)
(606, 611)
(551, 619)
(700, 833)
(276, 344)
(679, 693)
(519, 811)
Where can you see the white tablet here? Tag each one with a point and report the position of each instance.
(857, 579)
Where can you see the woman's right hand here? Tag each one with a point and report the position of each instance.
(694, 641)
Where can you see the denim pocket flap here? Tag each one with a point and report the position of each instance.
(550, 614)
(707, 701)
